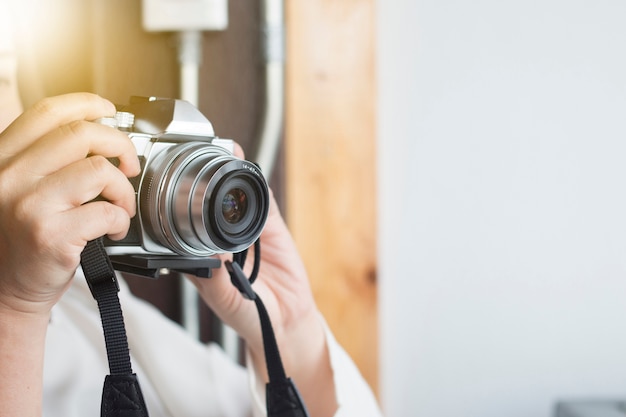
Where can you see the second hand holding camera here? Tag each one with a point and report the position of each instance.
(195, 199)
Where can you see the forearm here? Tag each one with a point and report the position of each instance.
(22, 340)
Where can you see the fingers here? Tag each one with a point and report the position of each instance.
(57, 198)
(53, 161)
(75, 141)
(238, 151)
(275, 224)
(89, 178)
(59, 238)
(50, 114)
(53, 164)
(112, 221)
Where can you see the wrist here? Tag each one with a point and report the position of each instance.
(22, 345)
(17, 314)
(22, 310)
(21, 300)
(306, 359)
(300, 343)
(302, 347)
(19, 307)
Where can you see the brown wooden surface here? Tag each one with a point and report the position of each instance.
(330, 156)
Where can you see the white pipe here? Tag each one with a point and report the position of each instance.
(274, 51)
(189, 58)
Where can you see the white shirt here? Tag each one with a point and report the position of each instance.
(179, 377)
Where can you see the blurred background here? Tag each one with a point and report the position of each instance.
(501, 150)
(452, 172)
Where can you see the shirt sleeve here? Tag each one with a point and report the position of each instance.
(354, 395)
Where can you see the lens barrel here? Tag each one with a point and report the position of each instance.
(197, 199)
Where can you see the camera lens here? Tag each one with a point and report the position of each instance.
(234, 205)
(197, 199)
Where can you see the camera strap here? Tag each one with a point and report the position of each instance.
(281, 395)
(121, 395)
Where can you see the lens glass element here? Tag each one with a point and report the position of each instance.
(234, 205)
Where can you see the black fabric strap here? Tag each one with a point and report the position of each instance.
(121, 395)
(283, 399)
(282, 396)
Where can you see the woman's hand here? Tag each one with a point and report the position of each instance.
(284, 288)
(53, 163)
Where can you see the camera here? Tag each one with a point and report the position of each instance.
(194, 197)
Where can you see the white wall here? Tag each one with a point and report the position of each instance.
(502, 221)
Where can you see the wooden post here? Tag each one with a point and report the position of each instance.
(330, 164)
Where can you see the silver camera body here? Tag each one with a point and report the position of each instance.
(194, 197)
